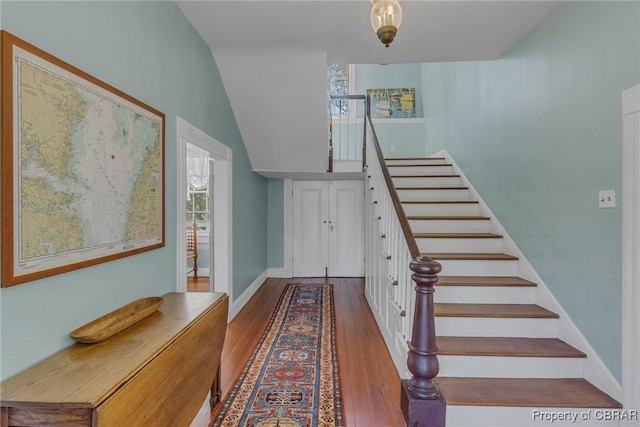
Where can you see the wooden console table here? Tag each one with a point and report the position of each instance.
(155, 373)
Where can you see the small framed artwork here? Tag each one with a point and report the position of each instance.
(82, 168)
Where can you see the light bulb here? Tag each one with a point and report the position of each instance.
(386, 17)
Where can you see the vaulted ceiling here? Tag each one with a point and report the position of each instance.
(270, 51)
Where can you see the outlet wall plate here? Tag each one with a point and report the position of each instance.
(607, 199)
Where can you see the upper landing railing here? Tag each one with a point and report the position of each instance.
(346, 129)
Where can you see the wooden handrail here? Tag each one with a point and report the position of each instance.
(422, 360)
(402, 217)
(338, 97)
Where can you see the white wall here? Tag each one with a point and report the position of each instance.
(279, 99)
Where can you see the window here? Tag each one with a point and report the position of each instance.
(198, 208)
(198, 180)
(341, 78)
(339, 84)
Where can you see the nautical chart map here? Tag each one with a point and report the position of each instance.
(90, 170)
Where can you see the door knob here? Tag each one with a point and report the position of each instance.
(331, 227)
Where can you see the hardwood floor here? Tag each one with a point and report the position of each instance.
(370, 382)
(201, 284)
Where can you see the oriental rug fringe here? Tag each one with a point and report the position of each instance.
(291, 379)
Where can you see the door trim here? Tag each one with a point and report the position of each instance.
(221, 253)
(631, 248)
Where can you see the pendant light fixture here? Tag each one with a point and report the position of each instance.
(386, 17)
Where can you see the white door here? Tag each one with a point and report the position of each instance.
(346, 228)
(328, 228)
(310, 225)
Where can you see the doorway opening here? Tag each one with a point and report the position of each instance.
(207, 212)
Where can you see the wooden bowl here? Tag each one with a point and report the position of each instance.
(112, 323)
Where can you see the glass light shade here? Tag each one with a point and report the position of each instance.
(386, 17)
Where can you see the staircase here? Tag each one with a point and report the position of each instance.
(501, 362)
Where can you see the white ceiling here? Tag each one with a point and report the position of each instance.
(431, 31)
(273, 56)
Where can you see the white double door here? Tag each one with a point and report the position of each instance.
(328, 228)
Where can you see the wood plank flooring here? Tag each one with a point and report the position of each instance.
(370, 382)
(201, 284)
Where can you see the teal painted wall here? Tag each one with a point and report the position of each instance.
(404, 136)
(538, 132)
(275, 223)
(150, 51)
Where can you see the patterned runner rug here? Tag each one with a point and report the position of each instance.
(292, 377)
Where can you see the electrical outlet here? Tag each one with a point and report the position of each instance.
(607, 199)
(393, 148)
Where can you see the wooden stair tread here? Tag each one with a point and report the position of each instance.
(430, 188)
(448, 218)
(426, 176)
(506, 347)
(412, 165)
(470, 256)
(514, 311)
(414, 158)
(483, 281)
(457, 236)
(524, 392)
(435, 202)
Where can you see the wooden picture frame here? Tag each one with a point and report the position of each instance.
(82, 168)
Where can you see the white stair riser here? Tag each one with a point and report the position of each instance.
(436, 195)
(478, 268)
(434, 209)
(498, 416)
(461, 245)
(496, 327)
(427, 182)
(416, 162)
(510, 367)
(421, 170)
(485, 294)
(449, 226)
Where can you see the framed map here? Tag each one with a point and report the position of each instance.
(82, 168)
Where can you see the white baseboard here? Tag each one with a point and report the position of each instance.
(238, 303)
(595, 370)
(280, 273)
